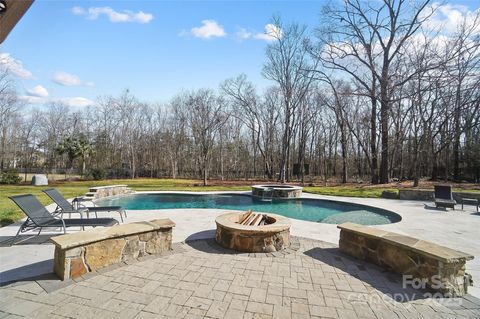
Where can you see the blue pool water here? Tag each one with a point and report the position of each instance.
(316, 210)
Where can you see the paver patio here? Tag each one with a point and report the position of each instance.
(200, 279)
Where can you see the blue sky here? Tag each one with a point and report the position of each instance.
(75, 51)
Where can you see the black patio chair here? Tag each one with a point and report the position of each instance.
(63, 206)
(443, 196)
(39, 217)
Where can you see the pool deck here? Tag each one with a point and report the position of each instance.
(455, 229)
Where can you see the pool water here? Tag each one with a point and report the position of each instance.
(315, 210)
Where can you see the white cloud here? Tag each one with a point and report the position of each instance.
(93, 13)
(448, 17)
(243, 34)
(76, 101)
(209, 29)
(38, 91)
(78, 11)
(14, 66)
(33, 99)
(67, 79)
(272, 32)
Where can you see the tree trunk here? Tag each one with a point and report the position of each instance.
(456, 140)
(133, 160)
(416, 165)
(384, 108)
(254, 156)
(4, 140)
(285, 147)
(384, 152)
(205, 171)
(174, 168)
(344, 153)
(83, 167)
(373, 142)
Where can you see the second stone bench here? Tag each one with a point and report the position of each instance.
(87, 251)
(440, 268)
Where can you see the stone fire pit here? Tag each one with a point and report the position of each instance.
(271, 237)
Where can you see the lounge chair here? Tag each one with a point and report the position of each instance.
(443, 196)
(63, 206)
(39, 217)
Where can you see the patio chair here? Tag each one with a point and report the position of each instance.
(39, 217)
(443, 196)
(63, 206)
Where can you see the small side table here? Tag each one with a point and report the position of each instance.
(77, 202)
(471, 201)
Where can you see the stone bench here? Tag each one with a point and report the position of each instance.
(87, 251)
(440, 268)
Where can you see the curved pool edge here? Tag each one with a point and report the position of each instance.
(359, 201)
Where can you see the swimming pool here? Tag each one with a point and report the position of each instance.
(316, 210)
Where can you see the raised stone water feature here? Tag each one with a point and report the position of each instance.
(277, 191)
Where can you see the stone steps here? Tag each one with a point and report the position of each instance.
(107, 191)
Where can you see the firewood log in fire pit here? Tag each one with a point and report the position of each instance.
(253, 219)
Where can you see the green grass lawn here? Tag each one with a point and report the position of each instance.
(9, 212)
(350, 191)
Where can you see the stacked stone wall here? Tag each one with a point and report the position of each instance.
(122, 244)
(440, 268)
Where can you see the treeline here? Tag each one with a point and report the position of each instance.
(372, 94)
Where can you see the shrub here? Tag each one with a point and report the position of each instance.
(98, 174)
(10, 176)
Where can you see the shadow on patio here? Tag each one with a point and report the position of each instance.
(204, 241)
(384, 281)
(29, 273)
(31, 239)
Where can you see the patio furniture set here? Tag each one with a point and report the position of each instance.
(38, 217)
(443, 197)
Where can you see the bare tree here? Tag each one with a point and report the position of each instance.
(244, 103)
(289, 65)
(176, 135)
(363, 40)
(206, 114)
(463, 72)
(9, 107)
(374, 86)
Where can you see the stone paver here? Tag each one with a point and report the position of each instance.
(199, 279)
